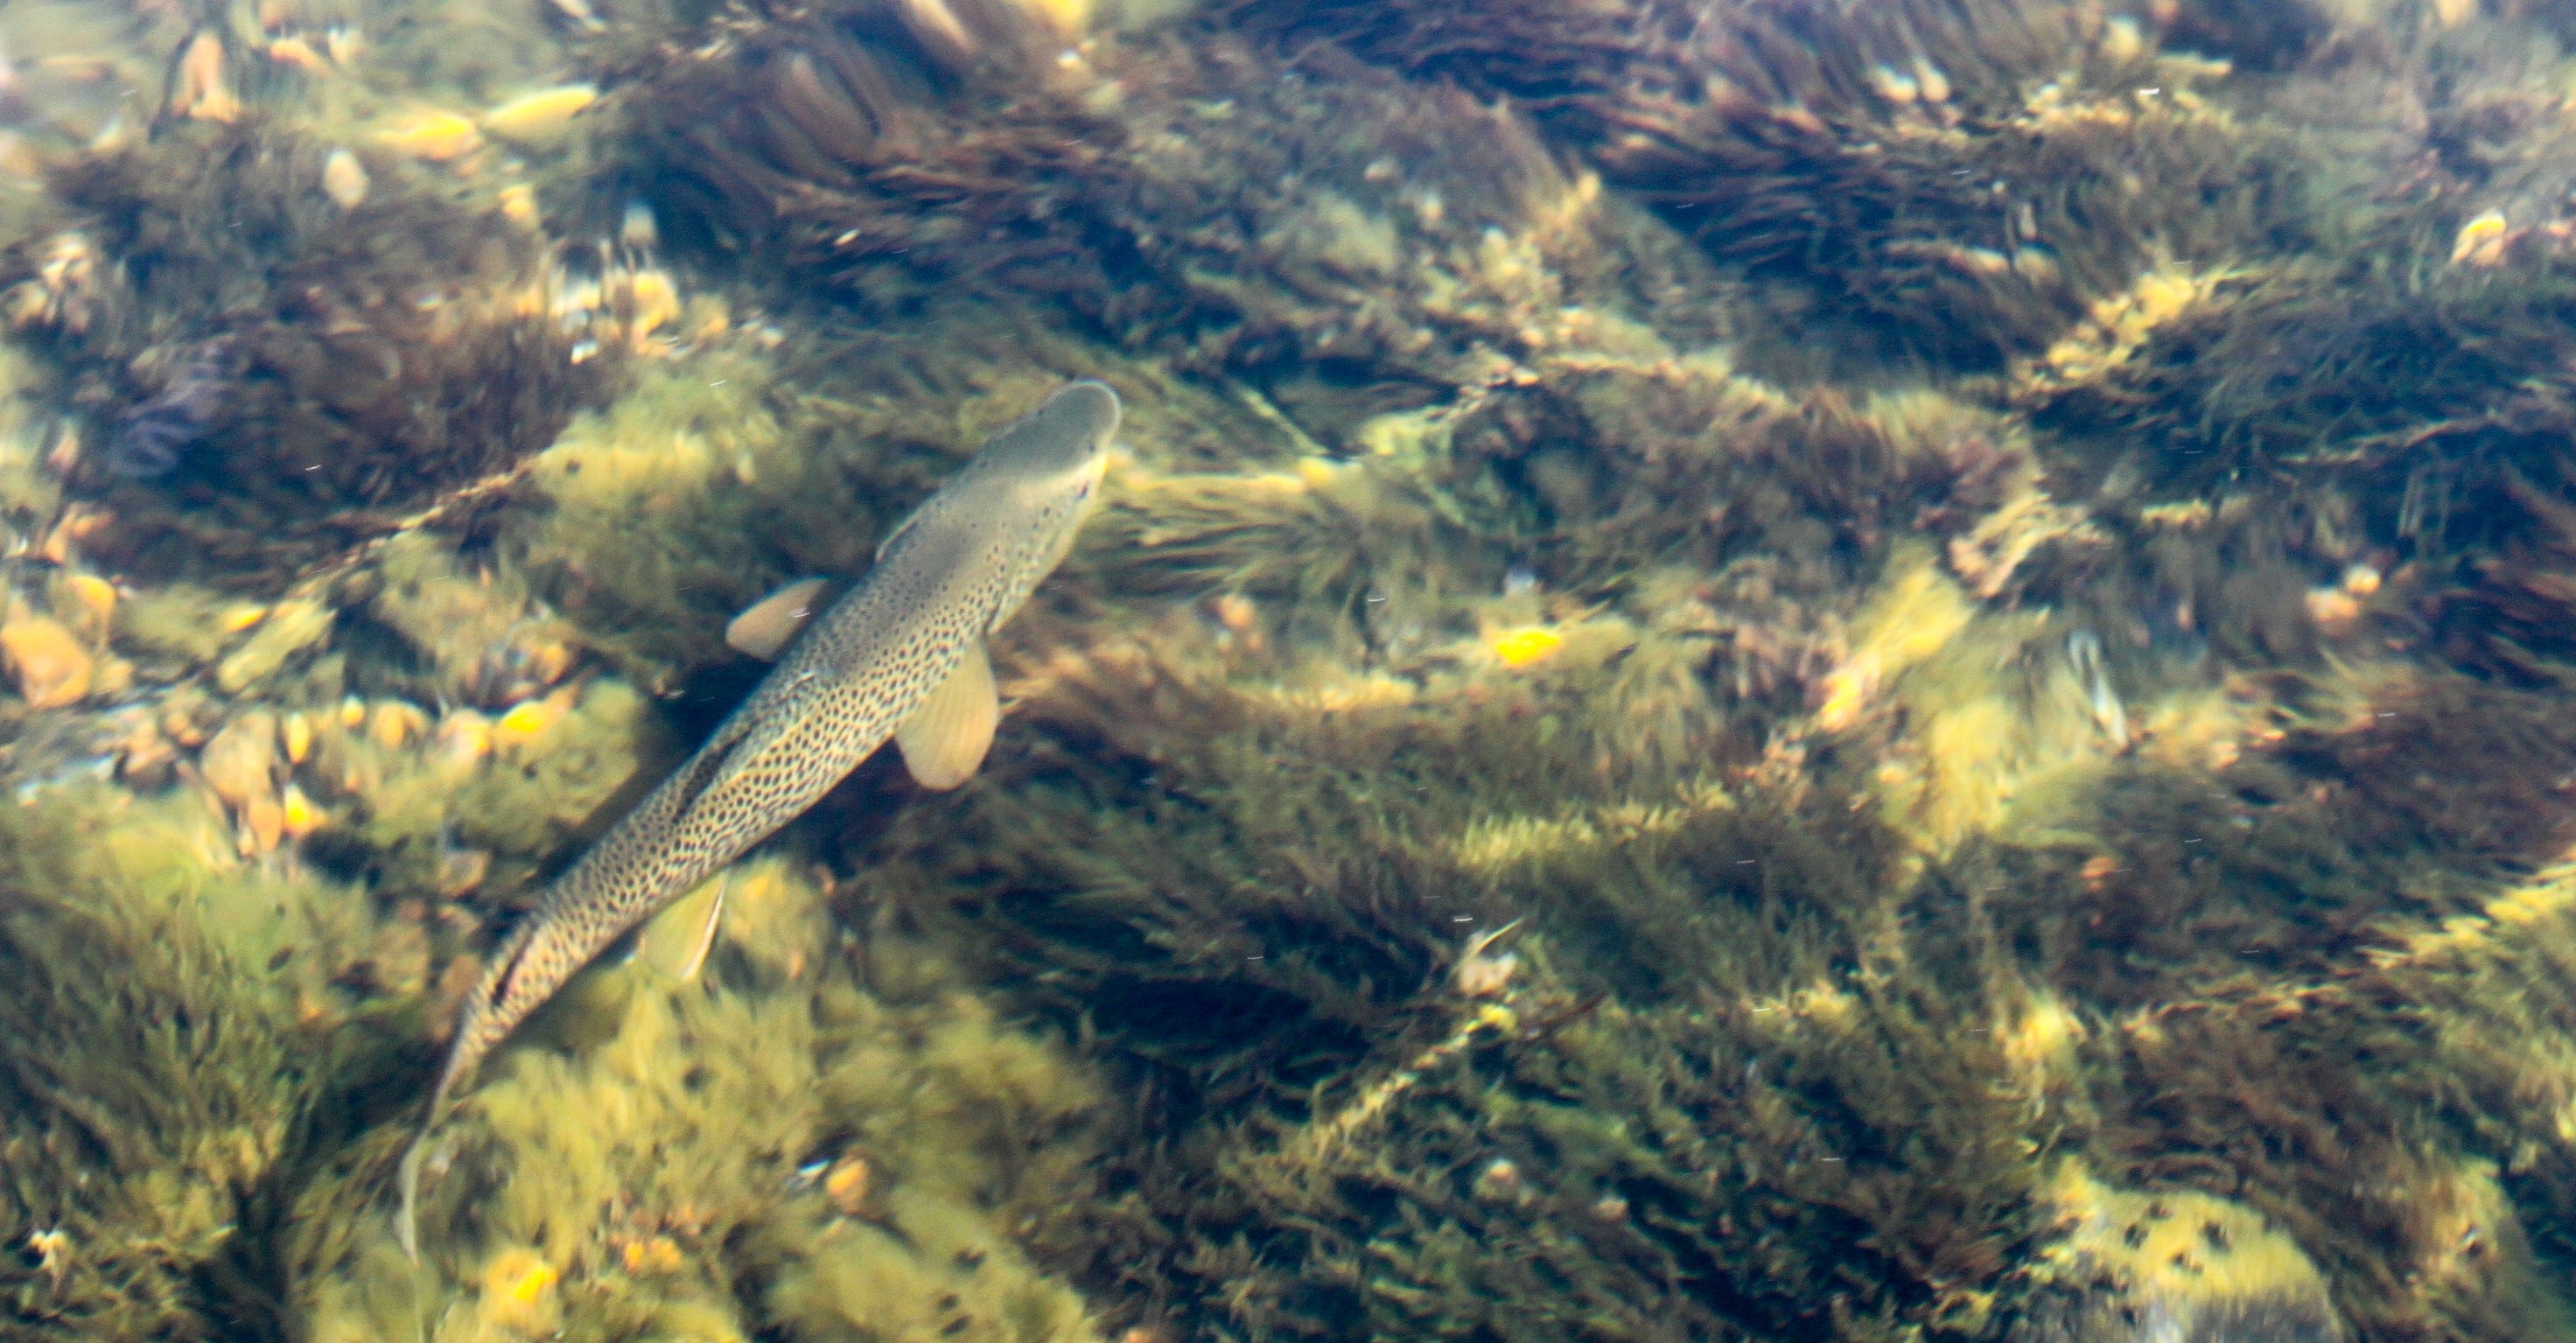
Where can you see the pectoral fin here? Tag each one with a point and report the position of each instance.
(675, 942)
(946, 738)
(766, 625)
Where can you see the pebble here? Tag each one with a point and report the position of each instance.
(46, 663)
(240, 762)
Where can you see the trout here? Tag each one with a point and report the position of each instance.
(900, 656)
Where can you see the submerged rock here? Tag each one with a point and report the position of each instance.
(2171, 1267)
(48, 667)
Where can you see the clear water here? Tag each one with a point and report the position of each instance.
(1776, 670)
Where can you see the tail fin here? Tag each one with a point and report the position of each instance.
(472, 1039)
(407, 1220)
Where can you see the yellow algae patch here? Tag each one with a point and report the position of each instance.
(1821, 1002)
(1913, 617)
(1985, 752)
(519, 1294)
(93, 598)
(2481, 241)
(290, 628)
(294, 50)
(297, 814)
(519, 204)
(2042, 1036)
(1502, 844)
(653, 302)
(531, 720)
(1342, 690)
(1067, 17)
(1521, 647)
(541, 113)
(2549, 897)
(654, 1256)
(2183, 516)
(2203, 729)
(1969, 765)
(2194, 1261)
(2121, 323)
(436, 136)
(1496, 845)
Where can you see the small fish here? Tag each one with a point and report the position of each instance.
(901, 656)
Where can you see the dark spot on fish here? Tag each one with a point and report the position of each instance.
(970, 1260)
(278, 960)
(2135, 1236)
(955, 1327)
(2215, 1234)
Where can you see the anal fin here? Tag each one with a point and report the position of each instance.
(675, 942)
(944, 741)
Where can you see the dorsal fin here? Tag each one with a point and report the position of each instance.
(708, 765)
(899, 529)
(765, 626)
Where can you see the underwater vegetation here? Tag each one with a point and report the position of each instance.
(1786, 670)
(293, 381)
(1953, 179)
(150, 438)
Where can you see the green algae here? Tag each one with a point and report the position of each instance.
(178, 1041)
(679, 1205)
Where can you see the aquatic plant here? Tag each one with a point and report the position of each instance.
(932, 146)
(1964, 176)
(149, 438)
(325, 372)
(771, 1148)
(1587, 784)
(179, 1045)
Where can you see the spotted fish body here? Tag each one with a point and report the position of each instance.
(946, 578)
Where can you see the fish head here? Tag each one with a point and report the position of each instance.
(1043, 475)
(1051, 460)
